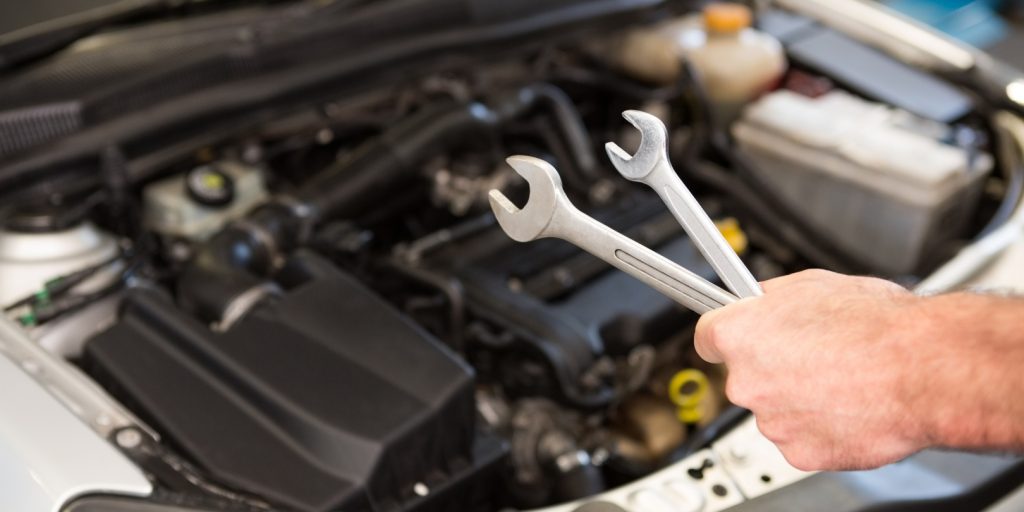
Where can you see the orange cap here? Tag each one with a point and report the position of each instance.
(726, 17)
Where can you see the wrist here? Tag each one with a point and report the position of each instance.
(956, 375)
(920, 370)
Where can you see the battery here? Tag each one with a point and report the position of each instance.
(879, 187)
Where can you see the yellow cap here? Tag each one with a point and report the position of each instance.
(726, 17)
(688, 390)
(733, 234)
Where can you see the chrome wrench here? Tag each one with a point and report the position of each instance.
(650, 166)
(549, 214)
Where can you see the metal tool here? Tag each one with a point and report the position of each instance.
(549, 214)
(650, 165)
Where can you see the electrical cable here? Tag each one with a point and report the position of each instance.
(58, 286)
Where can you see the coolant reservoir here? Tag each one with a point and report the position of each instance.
(733, 61)
(736, 63)
(655, 54)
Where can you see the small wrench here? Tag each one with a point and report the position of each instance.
(650, 165)
(549, 214)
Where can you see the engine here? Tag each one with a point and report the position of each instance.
(314, 309)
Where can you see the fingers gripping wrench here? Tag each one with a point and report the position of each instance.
(549, 214)
(650, 165)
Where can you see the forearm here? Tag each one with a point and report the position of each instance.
(968, 376)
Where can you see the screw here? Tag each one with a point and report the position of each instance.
(739, 454)
(128, 438)
(421, 489)
(324, 136)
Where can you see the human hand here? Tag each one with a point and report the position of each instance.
(824, 361)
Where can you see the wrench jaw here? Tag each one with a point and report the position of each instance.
(532, 220)
(653, 137)
(507, 214)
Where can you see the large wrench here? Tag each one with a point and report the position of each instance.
(549, 214)
(650, 165)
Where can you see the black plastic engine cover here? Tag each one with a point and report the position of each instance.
(325, 399)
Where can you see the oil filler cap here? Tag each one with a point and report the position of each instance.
(210, 186)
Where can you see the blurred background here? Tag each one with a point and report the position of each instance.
(992, 25)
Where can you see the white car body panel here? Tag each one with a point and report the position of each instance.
(48, 456)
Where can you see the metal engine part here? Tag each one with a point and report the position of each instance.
(548, 303)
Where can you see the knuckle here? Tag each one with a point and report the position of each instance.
(710, 323)
(894, 289)
(704, 333)
(719, 333)
(815, 274)
(704, 351)
(712, 331)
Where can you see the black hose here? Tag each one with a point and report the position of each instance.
(572, 176)
(571, 124)
(350, 187)
(721, 425)
(235, 259)
(615, 84)
(241, 256)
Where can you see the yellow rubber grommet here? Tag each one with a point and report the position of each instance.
(688, 388)
(690, 415)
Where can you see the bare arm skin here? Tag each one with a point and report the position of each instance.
(854, 372)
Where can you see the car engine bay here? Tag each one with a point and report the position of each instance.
(265, 234)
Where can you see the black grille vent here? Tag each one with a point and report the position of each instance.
(24, 128)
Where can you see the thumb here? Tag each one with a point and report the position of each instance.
(704, 338)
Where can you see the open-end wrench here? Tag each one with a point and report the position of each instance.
(650, 165)
(549, 214)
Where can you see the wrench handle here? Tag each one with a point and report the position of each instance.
(703, 232)
(675, 282)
